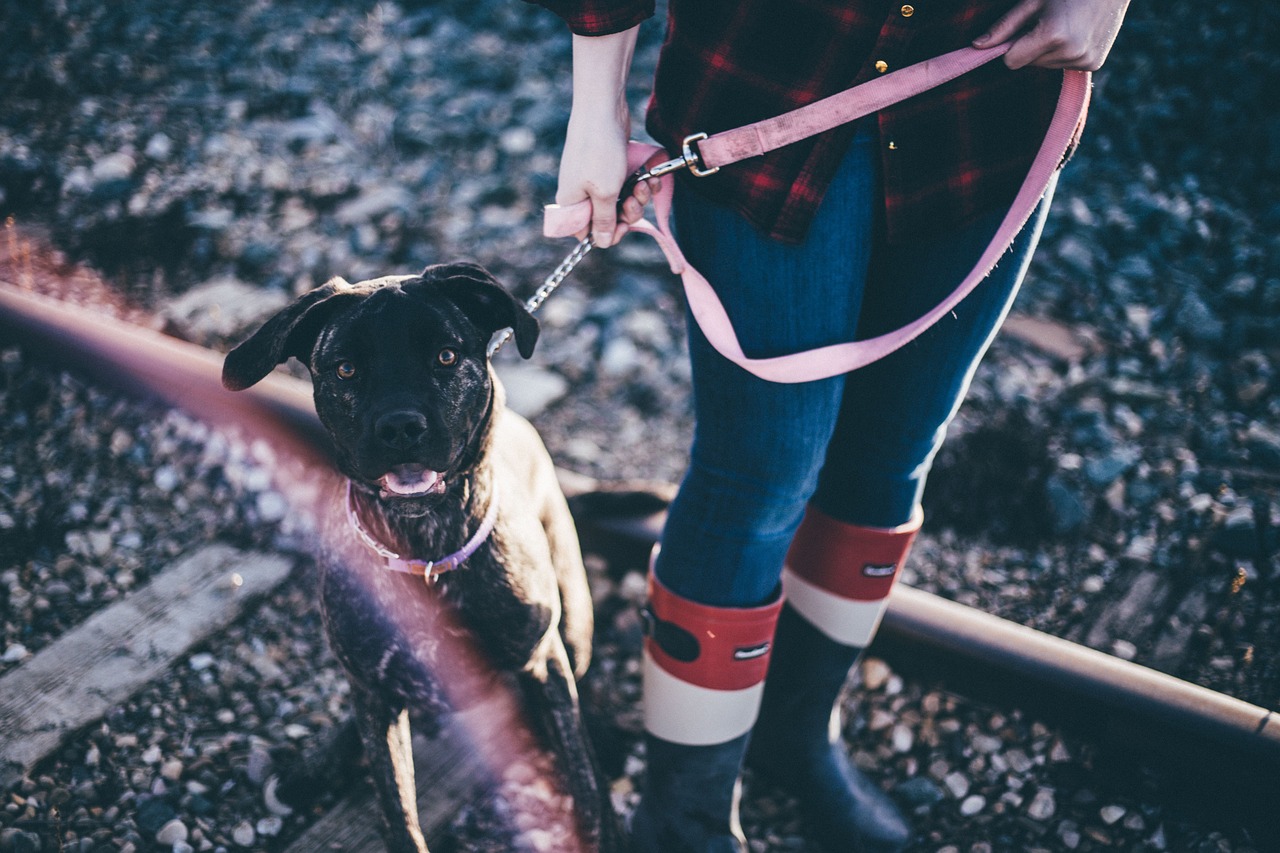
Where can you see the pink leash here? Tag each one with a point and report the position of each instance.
(753, 140)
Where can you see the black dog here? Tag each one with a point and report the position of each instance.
(439, 470)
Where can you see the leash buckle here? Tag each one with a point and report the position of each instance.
(693, 159)
(689, 159)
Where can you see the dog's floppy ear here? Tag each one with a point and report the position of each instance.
(291, 332)
(485, 302)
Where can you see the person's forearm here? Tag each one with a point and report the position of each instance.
(594, 164)
(600, 68)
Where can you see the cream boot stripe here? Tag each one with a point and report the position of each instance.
(685, 713)
(845, 620)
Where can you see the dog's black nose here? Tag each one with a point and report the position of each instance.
(400, 430)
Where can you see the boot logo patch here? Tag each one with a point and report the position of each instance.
(872, 570)
(751, 652)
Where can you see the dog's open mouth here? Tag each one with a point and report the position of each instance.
(411, 481)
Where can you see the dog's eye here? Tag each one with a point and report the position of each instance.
(447, 357)
(346, 370)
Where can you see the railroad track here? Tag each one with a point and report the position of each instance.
(1211, 749)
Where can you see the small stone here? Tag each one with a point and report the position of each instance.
(113, 167)
(244, 835)
(171, 770)
(373, 202)
(159, 147)
(957, 783)
(270, 827)
(1043, 805)
(875, 672)
(172, 833)
(272, 506)
(1111, 814)
(517, 140)
(1069, 834)
(972, 805)
(531, 390)
(986, 744)
(1124, 650)
(296, 731)
(201, 661)
(879, 719)
(152, 755)
(166, 478)
(100, 542)
(258, 767)
(14, 653)
(1019, 762)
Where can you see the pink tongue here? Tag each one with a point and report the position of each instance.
(409, 480)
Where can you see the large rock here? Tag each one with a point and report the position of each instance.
(221, 309)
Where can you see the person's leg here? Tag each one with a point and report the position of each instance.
(858, 530)
(895, 412)
(757, 450)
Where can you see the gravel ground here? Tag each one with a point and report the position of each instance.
(207, 162)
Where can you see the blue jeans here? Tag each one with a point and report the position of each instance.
(858, 445)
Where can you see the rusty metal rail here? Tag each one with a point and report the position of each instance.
(1212, 751)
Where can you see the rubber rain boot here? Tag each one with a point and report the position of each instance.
(704, 670)
(836, 581)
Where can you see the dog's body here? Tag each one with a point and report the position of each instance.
(402, 385)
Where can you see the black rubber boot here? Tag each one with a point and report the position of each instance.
(704, 669)
(796, 744)
(690, 803)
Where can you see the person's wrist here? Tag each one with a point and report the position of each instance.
(600, 115)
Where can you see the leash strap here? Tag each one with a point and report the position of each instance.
(752, 140)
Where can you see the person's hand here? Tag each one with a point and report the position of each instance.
(594, 167)
(1072, 34)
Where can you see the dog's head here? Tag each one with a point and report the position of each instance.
(400, 372)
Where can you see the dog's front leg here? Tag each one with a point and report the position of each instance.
(552, 693)
(386, 736)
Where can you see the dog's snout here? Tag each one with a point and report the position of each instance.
(400, 430)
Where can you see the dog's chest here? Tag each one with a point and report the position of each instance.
(433, 644)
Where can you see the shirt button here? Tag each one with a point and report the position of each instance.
(882, 66)
(908, 10)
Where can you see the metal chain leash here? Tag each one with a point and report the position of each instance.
(558, 275)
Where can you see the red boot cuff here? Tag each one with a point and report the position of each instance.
(720, 648)
(847, 560)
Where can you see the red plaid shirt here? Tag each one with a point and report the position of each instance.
(947, 155)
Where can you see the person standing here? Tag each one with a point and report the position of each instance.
(802, 500)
